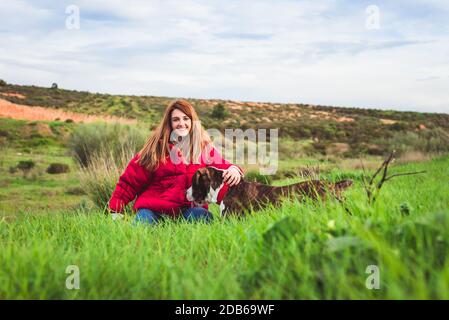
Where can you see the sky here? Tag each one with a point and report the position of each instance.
(391, 54)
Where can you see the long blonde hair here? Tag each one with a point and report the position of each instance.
(156, 149)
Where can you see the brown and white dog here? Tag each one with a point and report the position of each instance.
(208, 187)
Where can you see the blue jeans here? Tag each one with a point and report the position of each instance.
(190, 214)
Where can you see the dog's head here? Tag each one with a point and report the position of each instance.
(206, 183)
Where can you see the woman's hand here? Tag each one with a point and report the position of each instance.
(232, 176)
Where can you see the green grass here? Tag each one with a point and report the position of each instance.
(298, 251)
(34, 136)
(38, 191)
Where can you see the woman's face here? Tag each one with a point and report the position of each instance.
(180, 123)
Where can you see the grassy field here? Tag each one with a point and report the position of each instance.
(299, 251)
(43, 143)
(38, 190)
(303, 250)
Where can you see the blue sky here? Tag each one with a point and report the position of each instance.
(318, 52)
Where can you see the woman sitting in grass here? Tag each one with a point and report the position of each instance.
(162, 171)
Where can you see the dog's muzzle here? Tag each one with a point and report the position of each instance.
(190, 198)
(189, 195)
(199, 203)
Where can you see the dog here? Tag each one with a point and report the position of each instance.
(208, 187)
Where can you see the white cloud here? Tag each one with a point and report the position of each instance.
(286, 51)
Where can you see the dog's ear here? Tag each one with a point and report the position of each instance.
(205, 180)
(216, 177)
(200, 184)
(196, 179)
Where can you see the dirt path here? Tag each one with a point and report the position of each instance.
(18, 111)
(13, 94)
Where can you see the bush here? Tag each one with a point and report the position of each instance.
(101, 140)
(37, 141)
(316, 147)
(54, 85)
(25, 166)
(2, 83)
(57, 168)
(12, 170)
(430, 141)
(219, 111)
(4, 133)
(257, 177)
(101, 176)
(103, 151)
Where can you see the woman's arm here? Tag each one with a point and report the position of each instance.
(131, 182)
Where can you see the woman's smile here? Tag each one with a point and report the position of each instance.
(180, 123)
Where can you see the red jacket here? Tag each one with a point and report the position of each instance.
(162, 190)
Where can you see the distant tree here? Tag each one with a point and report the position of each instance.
(219, 111)
(54, 85)
(2, 83)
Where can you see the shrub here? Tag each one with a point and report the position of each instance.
(37, 141)
(4, 133)
(68, 121)
(25, 166)
(102, 174)
(316, 147)
(57, 168)
(375, 150)
(2, 83)
(430, 141)
(12, 170)
(257, 177)
(101, 140)
(54, 85)
(219, 111)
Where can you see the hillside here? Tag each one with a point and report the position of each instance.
(350, 131)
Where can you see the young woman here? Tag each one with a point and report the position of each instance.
(162, 171)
